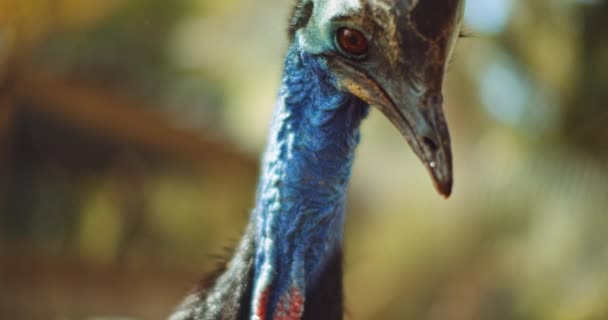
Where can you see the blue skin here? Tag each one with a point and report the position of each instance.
(301, 196)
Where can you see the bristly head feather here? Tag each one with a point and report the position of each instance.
(300, 15)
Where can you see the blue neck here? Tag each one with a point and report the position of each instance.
(299, 214)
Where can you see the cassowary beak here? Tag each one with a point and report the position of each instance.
(418, 115)
(423, 125)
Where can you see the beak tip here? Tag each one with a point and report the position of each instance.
(445, 189)
(443, 184)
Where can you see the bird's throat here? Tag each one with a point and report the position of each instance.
(299, 214)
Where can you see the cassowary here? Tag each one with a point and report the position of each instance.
(343, 56)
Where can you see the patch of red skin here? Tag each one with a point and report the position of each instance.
(293, 309)
(263, 304)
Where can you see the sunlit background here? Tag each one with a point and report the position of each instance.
(130, 132)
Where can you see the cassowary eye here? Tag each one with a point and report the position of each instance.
(351, 41)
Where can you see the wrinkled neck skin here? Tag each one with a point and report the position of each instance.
(299, 215)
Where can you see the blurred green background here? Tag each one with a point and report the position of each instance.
(130, 132)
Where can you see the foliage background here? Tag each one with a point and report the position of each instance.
(130, 132)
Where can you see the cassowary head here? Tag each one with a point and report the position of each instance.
(392, 54)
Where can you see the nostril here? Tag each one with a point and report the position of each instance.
(430, 143)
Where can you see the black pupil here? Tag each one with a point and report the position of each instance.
(353, 38)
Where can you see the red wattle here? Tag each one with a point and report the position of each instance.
(290, 306)
(263, 303)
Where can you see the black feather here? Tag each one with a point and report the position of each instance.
(299, 17)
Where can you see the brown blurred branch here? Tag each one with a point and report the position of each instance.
(118, 119)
